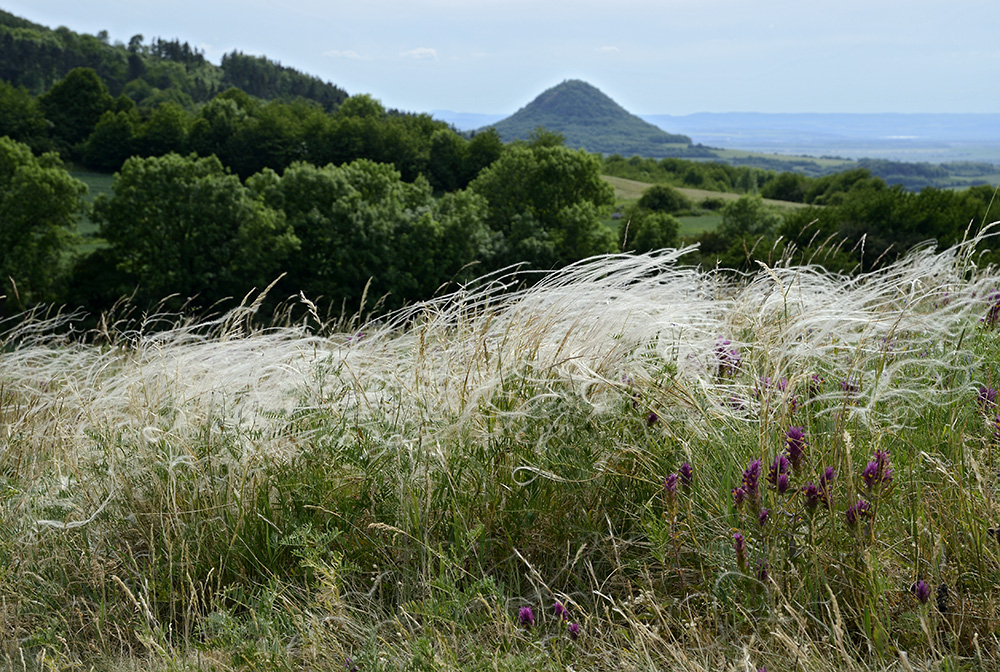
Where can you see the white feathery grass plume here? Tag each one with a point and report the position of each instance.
(441, 363)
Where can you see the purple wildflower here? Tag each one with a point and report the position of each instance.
(762, 516)
(560, 611)
(751, 475)
(740, 547)
(795, 444)
(922, 591)
(855, 512)
(687, 475)
(816, 385)
(349, 665)
(986, 397)
(729, 358)
(850, 386)
(812, 494)
(574, 631)
(670, 493)
(762, 572)
(993, 311)
(670, 484)
(778, 467)
(824, 485)
(878, 471)
(739, 496)
(783, 483)
(652, 418)
(526, 616)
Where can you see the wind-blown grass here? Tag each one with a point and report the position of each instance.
(395, 493)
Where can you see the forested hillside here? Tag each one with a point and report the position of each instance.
(148, 72)
(588, 119)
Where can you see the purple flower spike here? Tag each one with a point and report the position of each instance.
(812, 494)
(574, 631)
(751, 475)
(816, 383)
(783, 483)
(729, 358)
(878, 471)
(670, 484)
(526, 616)
(986, 397)
(922, 591)
(795, 444)
(762, 516)
(652, 418)
(687, 475)
(560, 611)
(857, 511)
(762, 568)
(739, 496)
(993, 312)
(740, 547)
(778, 467)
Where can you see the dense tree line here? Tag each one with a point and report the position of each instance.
(863, 225)
(187, 227)
(150, 73)
(753, 173)
(79, 117)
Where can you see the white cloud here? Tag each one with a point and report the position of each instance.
(609, 49)
(349, 54)
(420, 54)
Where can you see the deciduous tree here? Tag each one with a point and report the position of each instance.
(185, 225)
(39, 204)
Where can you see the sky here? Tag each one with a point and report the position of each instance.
(651, 56)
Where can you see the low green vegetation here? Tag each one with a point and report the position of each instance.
(631, 465)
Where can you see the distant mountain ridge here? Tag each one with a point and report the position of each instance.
(590, 120)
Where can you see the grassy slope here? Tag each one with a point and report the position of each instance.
(691, 225)
(396, 492)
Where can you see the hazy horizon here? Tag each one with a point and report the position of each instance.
(652, 57)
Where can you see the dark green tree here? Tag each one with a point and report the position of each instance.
(112, 142)
(186, 226)
(786, 187)
(447, 156)
(645, 231)
(547, 202)
(21, 118)
(747, 217)
(362, 226)
(165, 132)
(662, 198)
(39, 205)
(483, 149)
(75, 104)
